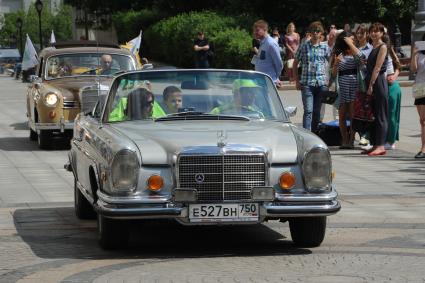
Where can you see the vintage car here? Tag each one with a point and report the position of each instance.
(69, 78)
(217, 149)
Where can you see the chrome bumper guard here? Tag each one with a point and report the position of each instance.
(62, 125)
(284, 206)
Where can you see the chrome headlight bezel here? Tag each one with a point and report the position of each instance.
(51, 99)
(317, 169)
(124, 171)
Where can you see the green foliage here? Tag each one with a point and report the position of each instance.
(232, 49)
(61, 24)
(129, 23)
(171, 40)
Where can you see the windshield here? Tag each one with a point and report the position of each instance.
(193, 94)
(67, 65)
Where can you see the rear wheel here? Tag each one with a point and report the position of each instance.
(83, 209)
(308, 231)
(45, 139)
(112, 233)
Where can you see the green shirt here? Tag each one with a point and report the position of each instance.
(118, 114)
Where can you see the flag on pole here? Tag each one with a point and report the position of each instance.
(135, 44)
(52, 38)
(30, 59)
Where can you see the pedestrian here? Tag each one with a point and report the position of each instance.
(312, 56)
(292, 42)
(417, 66)
(269, 60)
(201, 47)
(377, 86)
(345, 68)
(394, 95)
(347, 27)
(254, 50)
(362, 39)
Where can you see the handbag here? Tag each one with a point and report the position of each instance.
(418, 90)
(363, 107)
(328, 96)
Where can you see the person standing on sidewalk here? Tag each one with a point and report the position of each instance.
(417, 66)
(394, 95)
(378, 87)
(292, 42)
(313, 57)
(268, 60)
(201, 47)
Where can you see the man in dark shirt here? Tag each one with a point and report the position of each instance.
(201, 47)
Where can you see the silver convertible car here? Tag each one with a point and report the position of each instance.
(202, 147)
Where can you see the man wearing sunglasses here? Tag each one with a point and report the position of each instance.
(312, 56)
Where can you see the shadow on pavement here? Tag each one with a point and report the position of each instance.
(20, 126)
(25, 144)
(56, 233)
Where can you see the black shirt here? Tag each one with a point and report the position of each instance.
(202, 54)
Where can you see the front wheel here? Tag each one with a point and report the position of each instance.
(45, 138)
(83, 208)
(112, 233)
(33, 135)
(308, 231)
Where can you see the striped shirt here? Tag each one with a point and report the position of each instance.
(313, 60)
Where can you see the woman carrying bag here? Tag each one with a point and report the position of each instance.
(346, 68)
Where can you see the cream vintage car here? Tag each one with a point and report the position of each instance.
(69, 78)
(202, 147)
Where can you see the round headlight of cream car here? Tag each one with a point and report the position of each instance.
(317, 169)
(125, 171)
(51, 99)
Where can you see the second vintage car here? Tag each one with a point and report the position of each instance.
(69, 78)
(202, 147)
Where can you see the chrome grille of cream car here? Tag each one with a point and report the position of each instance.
(89, 96)
(70, 104)
(222, 177)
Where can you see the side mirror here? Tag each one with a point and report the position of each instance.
(291, 110)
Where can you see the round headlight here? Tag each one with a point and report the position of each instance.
(125, 170)
(51, 99)
(317, 169)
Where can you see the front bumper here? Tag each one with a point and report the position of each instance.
(62, 125)
(305, 205)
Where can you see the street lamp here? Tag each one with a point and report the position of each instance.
(39, 8)
(19, 26)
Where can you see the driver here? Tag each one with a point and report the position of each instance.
(105, 63)
(244, 91)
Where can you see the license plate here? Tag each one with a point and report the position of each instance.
(223, 212)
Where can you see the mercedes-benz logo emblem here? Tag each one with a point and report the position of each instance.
(199, 178)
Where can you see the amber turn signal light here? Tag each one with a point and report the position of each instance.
(52, 114)
(155, 183)
(287, 180)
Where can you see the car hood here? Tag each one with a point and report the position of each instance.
(160, 142)
(70, 87)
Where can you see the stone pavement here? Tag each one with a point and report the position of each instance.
(379, 235)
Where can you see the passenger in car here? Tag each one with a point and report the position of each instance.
(244, 91)
(173, 99)
(106, 64)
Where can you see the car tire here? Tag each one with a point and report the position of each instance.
(83, 208)
(308, 232)
(112, 233)
(45, 139)
(33, 135)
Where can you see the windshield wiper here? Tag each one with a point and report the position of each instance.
(197, 115)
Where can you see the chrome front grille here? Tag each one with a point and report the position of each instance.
(222, 177)
(89, 97)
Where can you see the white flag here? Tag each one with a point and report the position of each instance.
(30, 55)
(52, 38)
(135, 43)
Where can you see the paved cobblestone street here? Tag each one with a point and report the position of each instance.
(378, 236)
